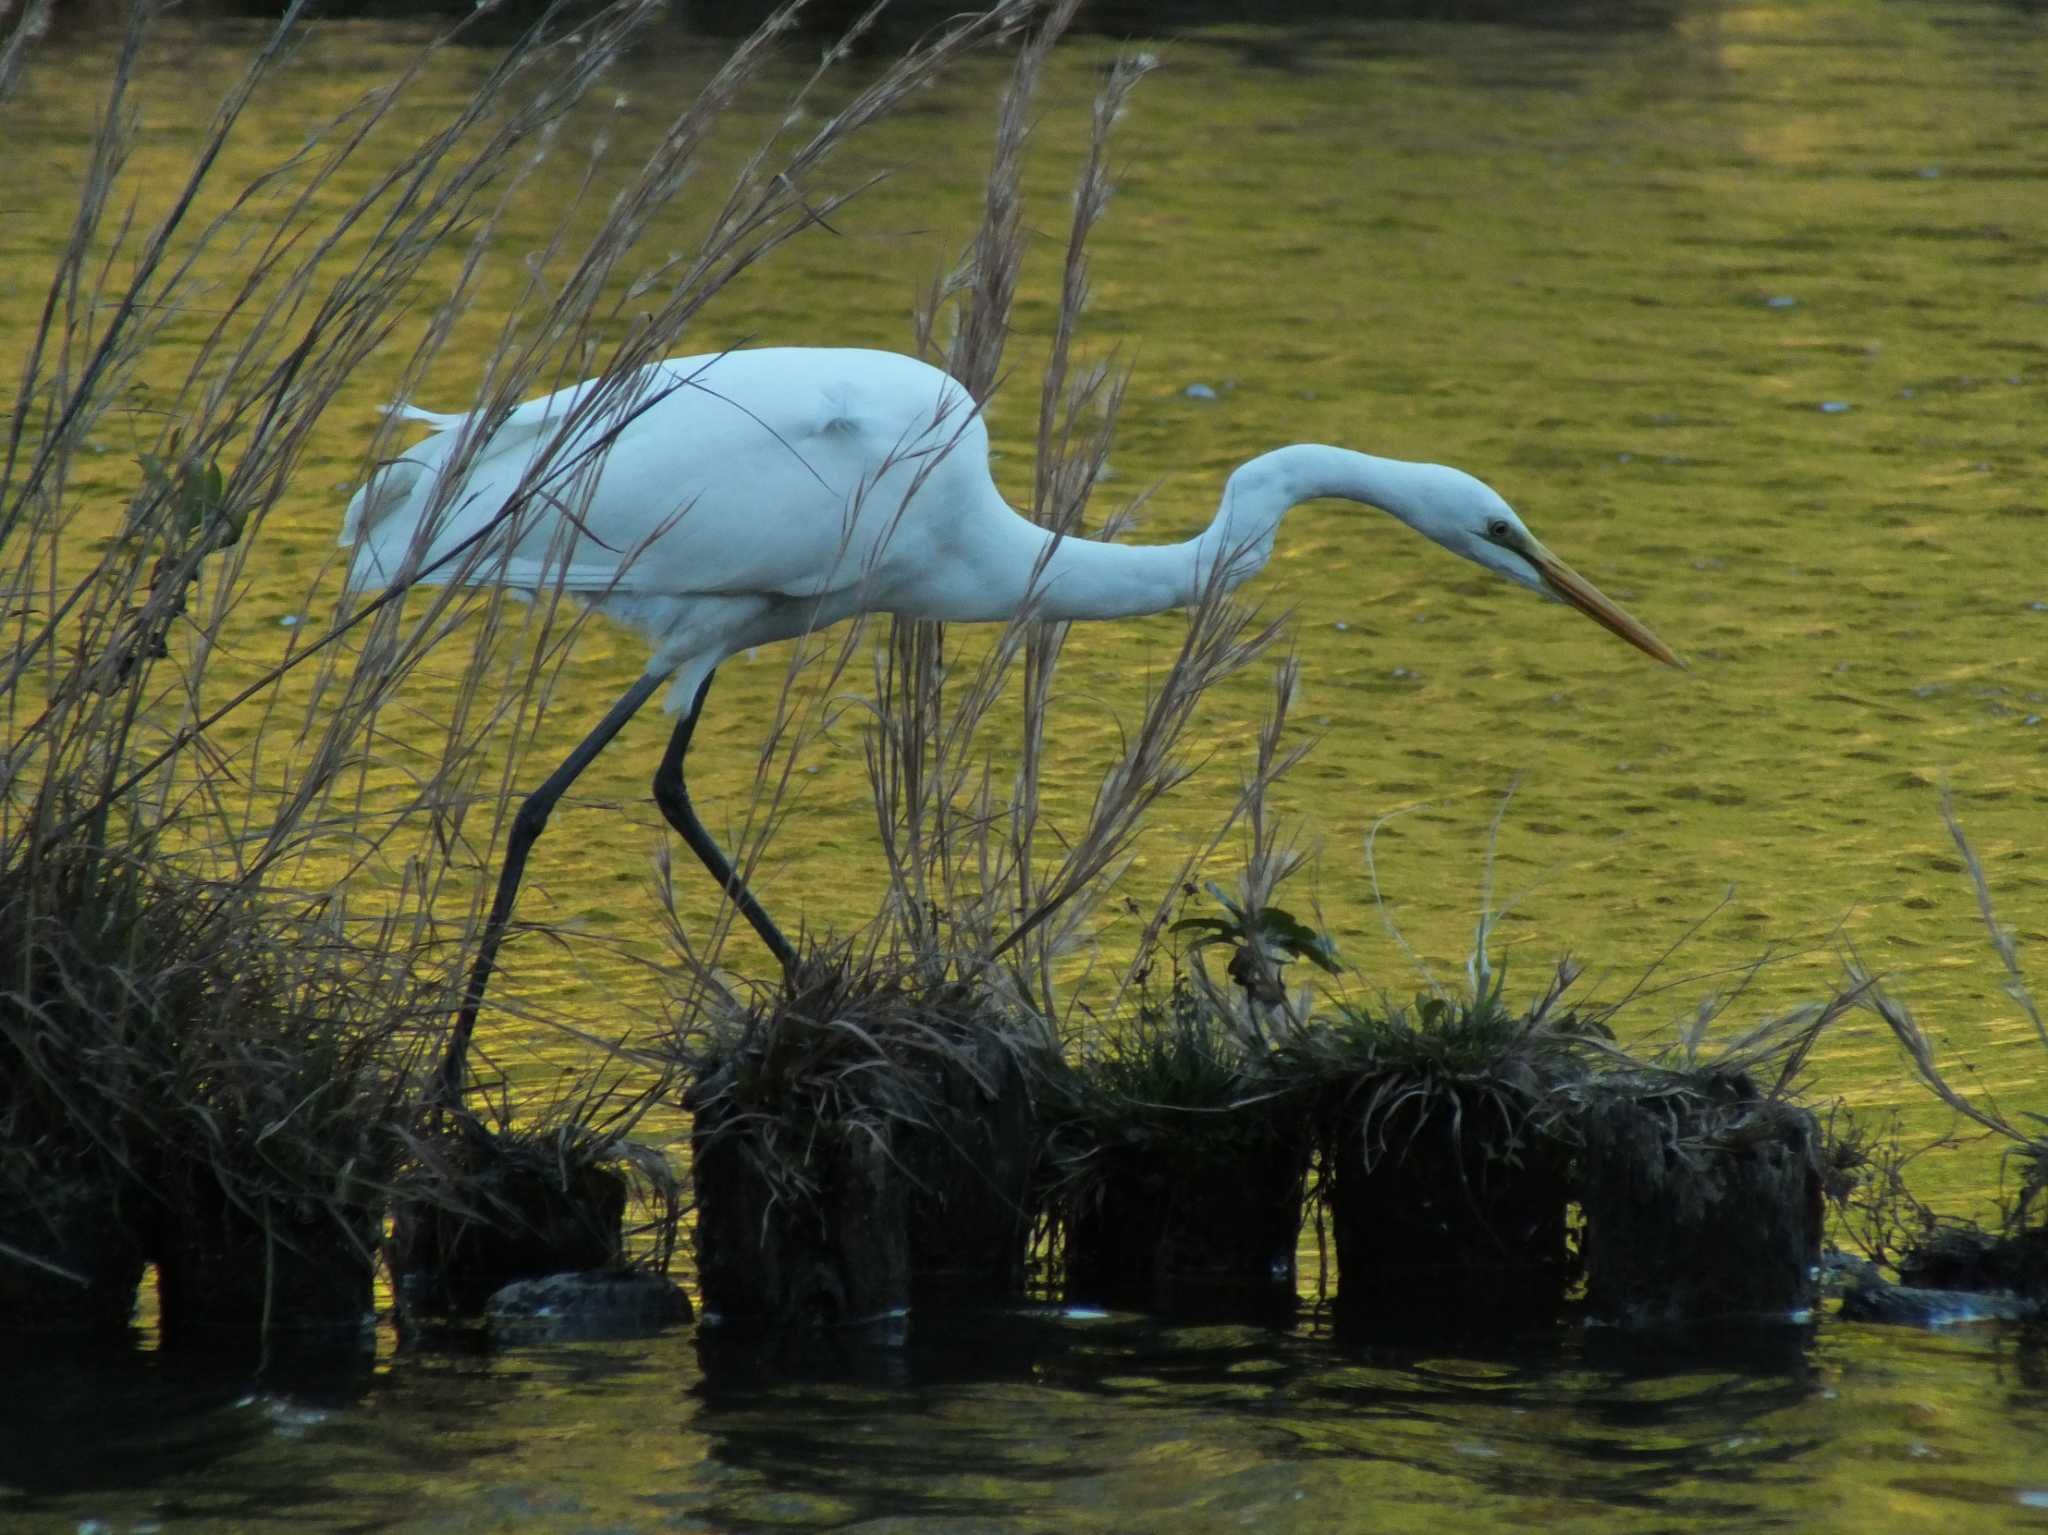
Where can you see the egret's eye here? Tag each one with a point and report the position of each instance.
(1499, 531)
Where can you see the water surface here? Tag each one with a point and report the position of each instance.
(1748, 316)
(1035, 1421)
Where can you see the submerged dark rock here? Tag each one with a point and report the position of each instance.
(1917, 1306)
(503, 1209)
(1956, 1276)
(1959, 1257)
(582, 1307)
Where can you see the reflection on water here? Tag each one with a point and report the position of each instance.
(1033, 1420)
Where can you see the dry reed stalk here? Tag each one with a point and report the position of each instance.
(287, 332)
(966, 881)
(913, 761)
(770, 202)
(199, 941)
(1981, 1109)
(258, 1039)
(161, 1003)
(2002, 941)
(1272, 856)
(29, 28)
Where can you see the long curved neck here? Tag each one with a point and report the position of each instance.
(1262, 490)
(1085, 579)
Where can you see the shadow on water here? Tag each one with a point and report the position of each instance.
(109, 1418)
(999, 1416)
(217, 1434)
(1025, 1418)
(1601, 1417)
(980, 1415)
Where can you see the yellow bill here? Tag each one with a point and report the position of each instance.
(1568, 586)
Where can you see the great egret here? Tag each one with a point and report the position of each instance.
(720, 502)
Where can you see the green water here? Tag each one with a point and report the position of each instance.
(1043, 1423)
(1747, 316)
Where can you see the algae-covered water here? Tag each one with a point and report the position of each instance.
(1746, 314)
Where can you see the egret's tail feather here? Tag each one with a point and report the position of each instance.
(389, 491)
(440, 421)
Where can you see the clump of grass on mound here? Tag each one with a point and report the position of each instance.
(282, 1136)
(1704, 1177)
(1460, 1136)
(1446, 1153)
(196, 1075)
(1182, 1156)
(1467, 1059)
(478, 1208)
(82, 993)
(870, 1123)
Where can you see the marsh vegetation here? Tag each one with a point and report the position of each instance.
(238, 963)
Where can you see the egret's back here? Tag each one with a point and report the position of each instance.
(781, 473)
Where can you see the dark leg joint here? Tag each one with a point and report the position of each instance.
(672, 794)
(532, 818)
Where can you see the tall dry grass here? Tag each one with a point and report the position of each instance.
(987, 942)
(2023, 1132)
(981, 887)
(171, 1000)
(185, 936)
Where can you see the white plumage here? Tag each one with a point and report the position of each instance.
(726, 501)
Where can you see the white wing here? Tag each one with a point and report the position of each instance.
(783, 471)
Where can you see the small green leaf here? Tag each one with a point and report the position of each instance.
(1286, 926)
(1323, 954)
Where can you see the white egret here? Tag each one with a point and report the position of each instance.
(721, 502)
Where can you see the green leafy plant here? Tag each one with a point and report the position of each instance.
(1484, 1069)
(1262, 942)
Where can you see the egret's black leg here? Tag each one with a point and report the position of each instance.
(527, 826)
(673, 795)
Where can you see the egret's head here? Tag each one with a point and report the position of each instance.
(1468, 517)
